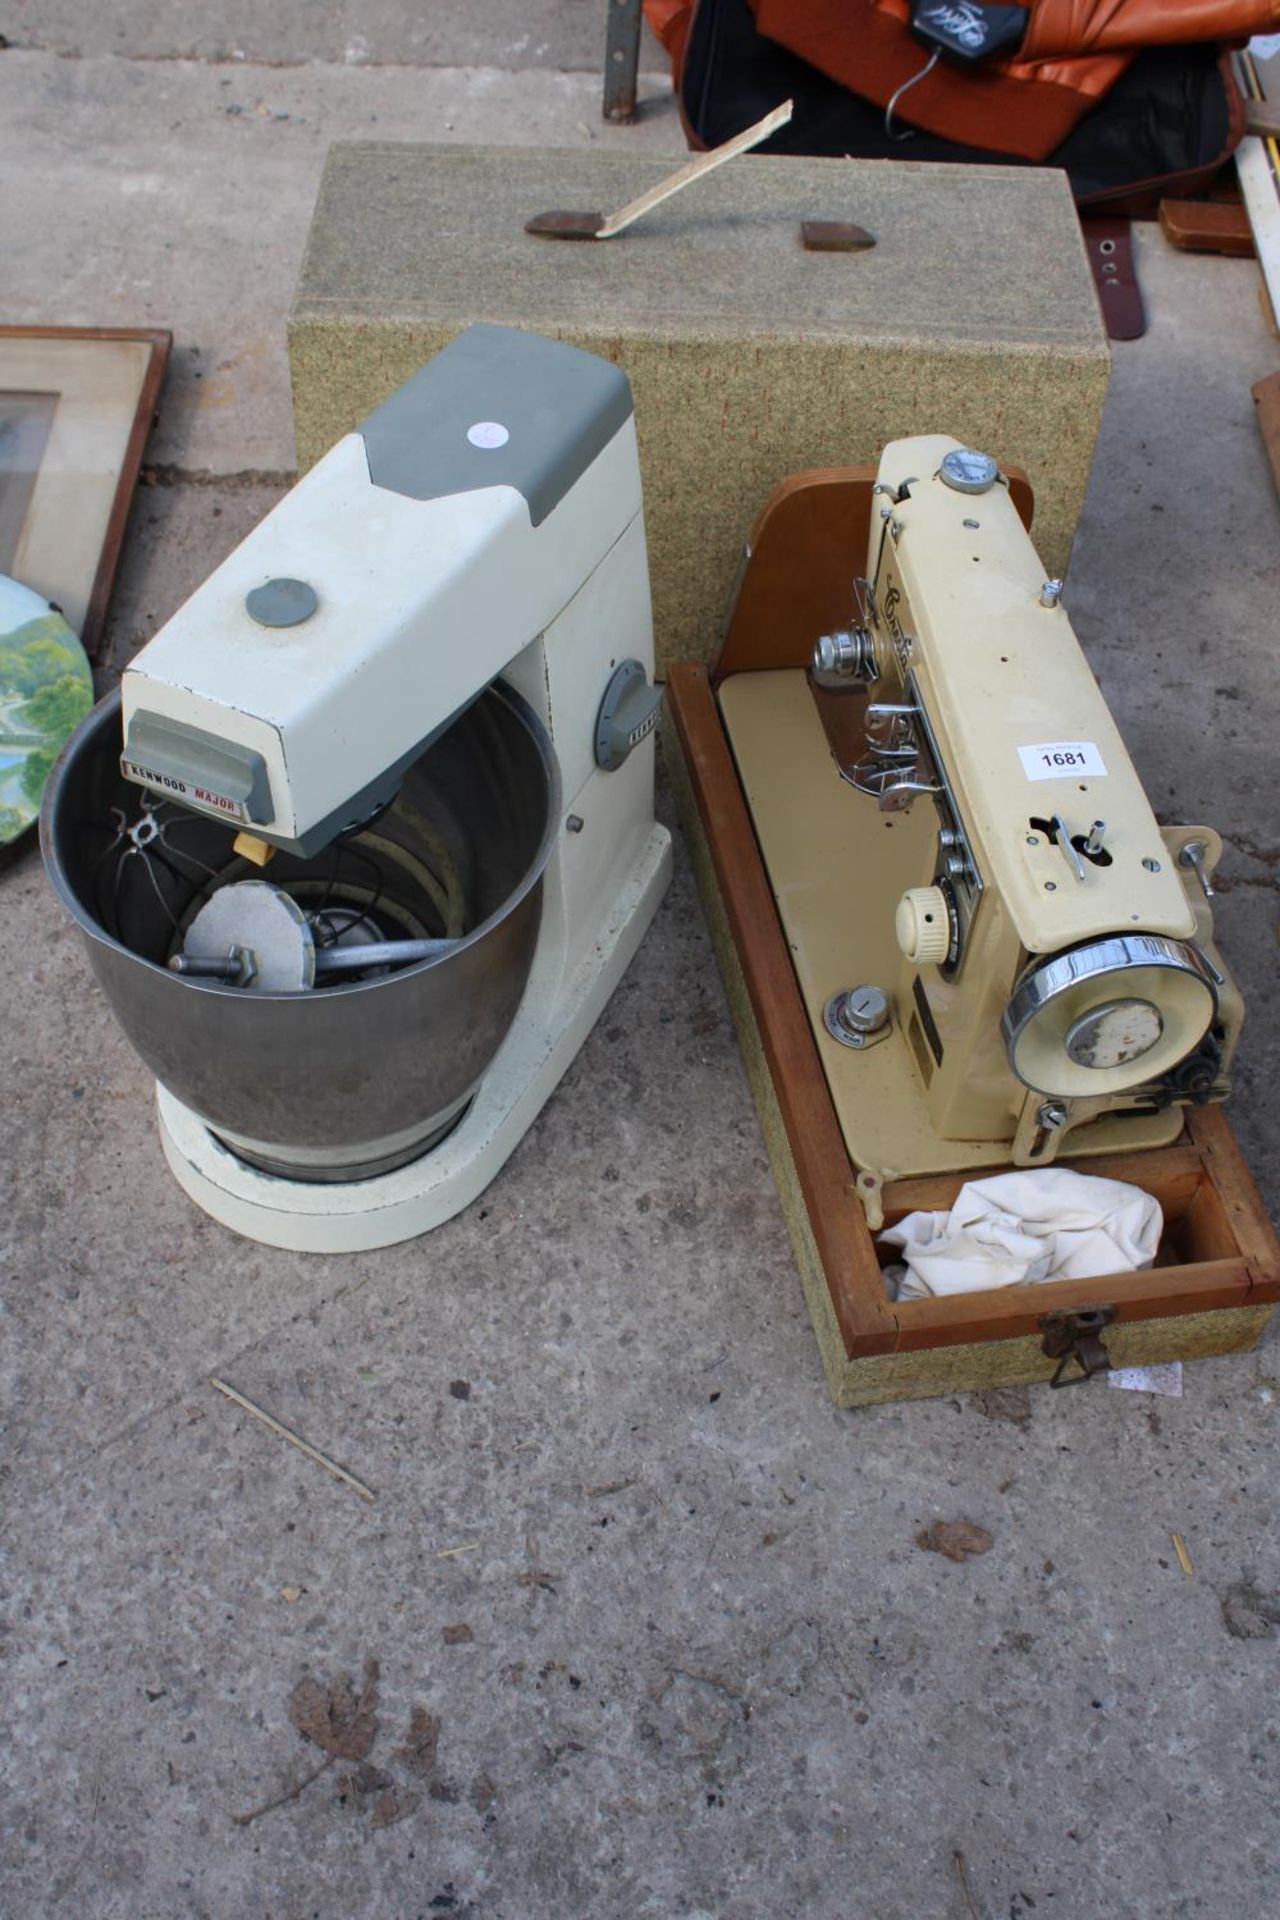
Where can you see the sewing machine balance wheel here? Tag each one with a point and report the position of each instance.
(1109, 1016)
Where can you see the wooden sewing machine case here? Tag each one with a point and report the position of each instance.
(1217, 1273)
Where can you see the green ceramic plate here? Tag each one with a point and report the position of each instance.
(46, 689)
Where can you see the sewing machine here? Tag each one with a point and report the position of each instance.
(1001, 953)
(366, 841)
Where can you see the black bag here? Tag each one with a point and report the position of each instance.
(1166, 127)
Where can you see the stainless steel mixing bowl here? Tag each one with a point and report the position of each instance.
(350, 1080)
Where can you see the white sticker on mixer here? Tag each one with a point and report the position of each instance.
(488, 434)
(1058, 759)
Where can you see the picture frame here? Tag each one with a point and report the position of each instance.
(76, 407)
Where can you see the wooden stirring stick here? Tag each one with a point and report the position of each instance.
(595, 226)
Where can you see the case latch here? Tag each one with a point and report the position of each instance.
(1076, 1336)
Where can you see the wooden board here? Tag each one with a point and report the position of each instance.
(1258, 172)
(1256, 167)
(1207, 226)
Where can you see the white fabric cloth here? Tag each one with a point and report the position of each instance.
(1045, 1223)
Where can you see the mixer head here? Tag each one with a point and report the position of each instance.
(292, 692)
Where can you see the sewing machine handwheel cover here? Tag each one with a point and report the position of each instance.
(346, 1082)
(1054, 997)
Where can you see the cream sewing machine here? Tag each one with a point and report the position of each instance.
(1000, 951)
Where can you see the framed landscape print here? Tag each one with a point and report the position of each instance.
(76, 406)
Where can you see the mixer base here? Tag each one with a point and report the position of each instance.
(555, 1018)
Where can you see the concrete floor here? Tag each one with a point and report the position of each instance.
(660, 1604)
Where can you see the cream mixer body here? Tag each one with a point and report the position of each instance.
(375, 813)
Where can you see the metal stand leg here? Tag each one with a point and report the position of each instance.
(621, 59)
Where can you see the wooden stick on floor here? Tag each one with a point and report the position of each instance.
(312, 1453)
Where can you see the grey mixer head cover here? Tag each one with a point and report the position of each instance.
(557, 407)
